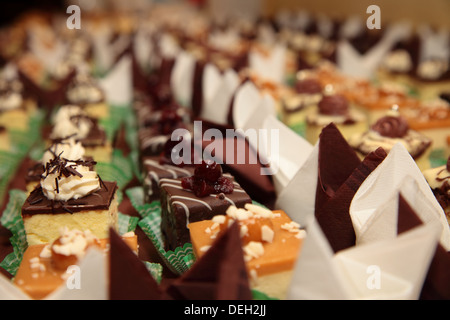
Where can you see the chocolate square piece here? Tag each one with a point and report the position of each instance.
(37, 202)
(154, 171)
(180, 206)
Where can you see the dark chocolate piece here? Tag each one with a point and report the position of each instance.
(37, 202)
(220, 274)
(437, 281)
(129, 279)
(154, 171)
(180, 206)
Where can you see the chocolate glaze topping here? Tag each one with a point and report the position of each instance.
(310, 86)
(334, 105)
(37, 202)
(391, 126)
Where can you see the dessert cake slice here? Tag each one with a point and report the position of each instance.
(44, 267)
(70, 195)
(198, 197)
(389, 130)
(271, 243)
(335, 108)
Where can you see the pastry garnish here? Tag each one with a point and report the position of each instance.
(208, 179)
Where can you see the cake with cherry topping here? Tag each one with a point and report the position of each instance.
(206, 193)
(160, 167)
(335, 108)
(271, 243)
(71, 194)
(389, 130)
(44, 267)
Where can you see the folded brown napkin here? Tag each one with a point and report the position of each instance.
(129, 277)
(220, 274)
(437, 282)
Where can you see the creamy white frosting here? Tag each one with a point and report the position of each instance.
(10, 101)
(323, 119)
(74, 242)
(68, 149)
(84, 90)
(65, 125)
(436, 177)
(371, 140)
(432, 69)
(398, 61)
(302, 100)
(71, 187)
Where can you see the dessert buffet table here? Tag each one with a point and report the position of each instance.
(163, 154)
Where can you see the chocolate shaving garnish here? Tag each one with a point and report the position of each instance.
(102, 184)
(57, 185)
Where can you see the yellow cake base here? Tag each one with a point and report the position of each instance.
(45, 228)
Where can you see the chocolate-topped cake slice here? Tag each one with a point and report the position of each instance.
(160, 167)
(199, 197)
(389, 130)
(152, 138)
(72, 195)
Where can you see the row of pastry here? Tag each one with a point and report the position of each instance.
(198, 201)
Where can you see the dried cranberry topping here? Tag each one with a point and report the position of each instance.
(207, 179)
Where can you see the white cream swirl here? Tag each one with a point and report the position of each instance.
(398, 61)
(71, 120)
(10, 101)
(68, 149)
(56, 186)
(432, 69)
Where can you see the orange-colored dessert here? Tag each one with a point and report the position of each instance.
(271, 242)
(432, 118)
(44, 267)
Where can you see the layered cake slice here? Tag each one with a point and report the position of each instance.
(335, 108)
(198, 197)
(389, 130)
(70, 195)
(160, 167)
(307, 94)
(271, 243)
(44, 267)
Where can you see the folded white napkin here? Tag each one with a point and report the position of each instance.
(218, 90)
(398, 172)
(386, 269)
(182, 77)
(363, 66)
(118, 83)
(270, 67)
